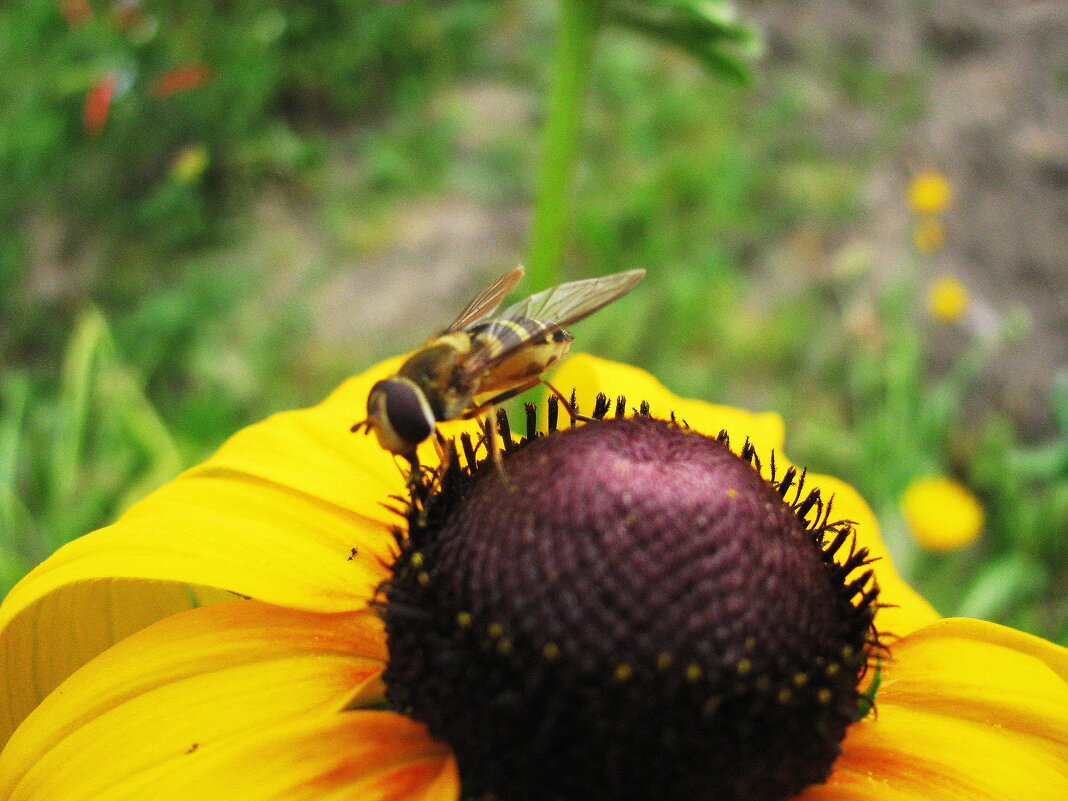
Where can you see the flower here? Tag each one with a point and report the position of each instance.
(942, 514)
(929, 193)
(77, 13)
(189, 164)
(182, 78)
(929, 234)
(948, 299)
(97, 105)
(220, 641)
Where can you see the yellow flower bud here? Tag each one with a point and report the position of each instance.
(942, 514)
(948, 299)
(189, 164)
(930, 193)
(929, 234)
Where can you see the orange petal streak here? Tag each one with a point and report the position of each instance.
(910, 755)
(967, 711)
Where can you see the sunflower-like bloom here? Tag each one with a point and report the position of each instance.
(227, 638)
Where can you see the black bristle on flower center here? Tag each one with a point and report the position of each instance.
(633, 612)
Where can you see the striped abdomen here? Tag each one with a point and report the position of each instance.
(526, 349)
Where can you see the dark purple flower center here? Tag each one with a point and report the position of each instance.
(634, 613)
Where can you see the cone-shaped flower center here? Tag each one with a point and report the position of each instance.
(633, 613)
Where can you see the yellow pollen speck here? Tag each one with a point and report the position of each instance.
(785, 696)
(832, 669)
(504, 645)
(743, 667)
(495, 630)
(750, 643)
(948, 300)
(630, 519)
(732, 493)
(693, 671)
(800, 679)
(623, 672)
(929, 193)
(464, 619)
(417, 560)
(551, 651)
(824, 696)
(847, 652)
(423, 577)
(663, 661)
(941, 513)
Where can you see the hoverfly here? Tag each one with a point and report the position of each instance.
(483, 359)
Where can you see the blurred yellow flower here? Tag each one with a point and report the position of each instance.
(948, 299)
(941, 513)
(929, 193)
(189, 164)
(929, 234)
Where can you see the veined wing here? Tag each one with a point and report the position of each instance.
(543, 313)
(486, 301)
(567, 303)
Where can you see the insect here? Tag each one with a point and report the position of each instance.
(483, 359)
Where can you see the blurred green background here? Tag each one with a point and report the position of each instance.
(852, 214)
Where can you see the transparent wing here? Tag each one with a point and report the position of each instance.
(486, 301)
(554, 308)
(567, 303)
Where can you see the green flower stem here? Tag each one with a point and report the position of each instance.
(579, 21)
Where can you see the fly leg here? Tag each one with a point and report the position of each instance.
(567, 404)
(489, 426)
(414, 469)
(474, 411)
(489, 429)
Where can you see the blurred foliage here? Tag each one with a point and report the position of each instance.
(708, 30)
(185, 179)
(104, 102)
(85, 452)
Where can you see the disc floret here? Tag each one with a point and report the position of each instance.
(635, 611)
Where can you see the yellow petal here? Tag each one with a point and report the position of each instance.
(942, 513)
(275, 514)
(988, 674)
(366, 755)
(44, 645)
(590, 375)
(370, 756)
(967, 711)
(911, 755)
(208, 678)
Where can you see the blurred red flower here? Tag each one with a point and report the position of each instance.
(98, 104)
(178, 79)
(76, 12)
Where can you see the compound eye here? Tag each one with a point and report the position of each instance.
(407, 410)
